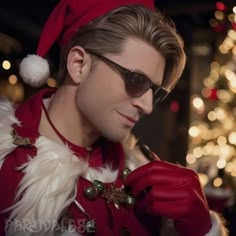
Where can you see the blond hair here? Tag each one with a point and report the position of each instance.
(108, 33)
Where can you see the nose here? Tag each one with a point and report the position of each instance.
(144, 102)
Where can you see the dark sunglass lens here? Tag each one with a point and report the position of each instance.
(136, 84)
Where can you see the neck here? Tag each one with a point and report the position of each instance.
(67, 119)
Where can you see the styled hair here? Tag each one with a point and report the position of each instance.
(108, 33)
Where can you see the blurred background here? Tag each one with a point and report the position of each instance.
(196, 125)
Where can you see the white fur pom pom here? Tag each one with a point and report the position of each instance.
(34, 70)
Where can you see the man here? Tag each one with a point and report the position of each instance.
(63, 166)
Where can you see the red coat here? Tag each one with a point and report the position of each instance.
(109, 219)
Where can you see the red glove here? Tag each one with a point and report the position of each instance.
(165, 189)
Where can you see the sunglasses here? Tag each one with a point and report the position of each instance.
(136, 84)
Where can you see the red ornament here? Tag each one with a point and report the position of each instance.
(174, 106)
(219, 28)
(234, 26)
(220, 6)
(213, 94)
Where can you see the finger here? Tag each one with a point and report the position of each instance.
(154, 180)
(182, 198)
(152, 167)
(161, 174)
(168, 208)
(163, 194)
(157, 193)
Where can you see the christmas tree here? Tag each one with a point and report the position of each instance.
(212, 131)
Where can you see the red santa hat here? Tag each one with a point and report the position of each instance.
(63, 22)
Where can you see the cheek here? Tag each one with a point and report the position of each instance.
(99, 106)
(93, 100)
(101, 91)
(88, 102)
(92, 95)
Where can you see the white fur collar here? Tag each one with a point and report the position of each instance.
(50, 178)
(7, 118)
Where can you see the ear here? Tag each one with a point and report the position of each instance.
(78, 64)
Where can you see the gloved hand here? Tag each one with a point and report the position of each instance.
(173, 191)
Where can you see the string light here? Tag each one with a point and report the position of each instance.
(51, 82)
(6, 65)
(217, 182)
(12, 79)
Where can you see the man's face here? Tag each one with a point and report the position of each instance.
(102, 99)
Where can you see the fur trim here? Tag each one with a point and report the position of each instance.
(49, 184)
(50, 178)
(218, 225)
(15, 231)
(134, 157)
(7, 118)
(66, 233)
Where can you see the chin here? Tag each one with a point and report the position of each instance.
(116, 137)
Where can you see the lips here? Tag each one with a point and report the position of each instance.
(130, 121)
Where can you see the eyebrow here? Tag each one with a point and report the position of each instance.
(140, 72)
